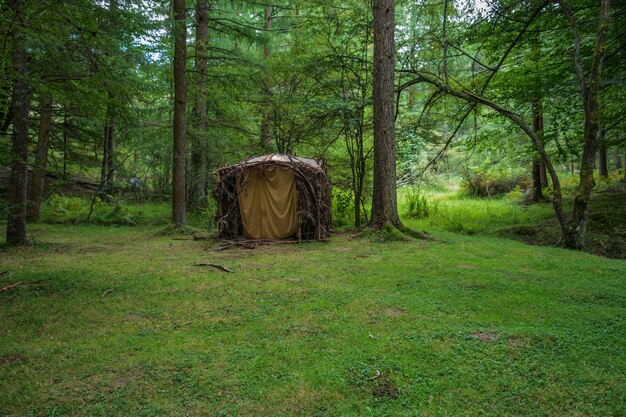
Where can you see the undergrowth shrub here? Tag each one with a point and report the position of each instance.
(70, 210)
(343, 207)
(415, 204)
(204, 217)
(480, 184)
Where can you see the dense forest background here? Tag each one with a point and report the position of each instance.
(516, 98)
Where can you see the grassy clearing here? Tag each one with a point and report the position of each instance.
(476, 325)
(461, 214)
(507, 216)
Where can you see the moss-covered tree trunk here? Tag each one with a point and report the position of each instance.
(603, 166)
(590, 87)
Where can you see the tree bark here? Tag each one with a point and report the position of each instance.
(537, 163)
(18, 187)
(603, 168)
(199, 161)
(266, 129)
(65, 150)
(179, 215)
(590, 87)
(39, 172)
(108, 165)
(543, 174)
(267, 26)
(384, 201)
(537, 189)
(105, 154)
(110, 145)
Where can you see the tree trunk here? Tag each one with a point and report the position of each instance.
(65, 150)
(384, 201)
(538, 178)
(108, 164)
(590, 87)
(110, 146)
(267, 26)
(543, 174)
(266, 129)
(198, 189)
(39, 172)
(357, 209)
(105, 154)
(537, 189)
(179, 215)
(18, 198)
(603, 169)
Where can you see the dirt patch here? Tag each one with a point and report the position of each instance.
(465, 266)
(11, 359)
(394, 312)
(517, 341)
(385, 387)
(119, 382)
(487, 337)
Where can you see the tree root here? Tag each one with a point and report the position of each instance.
(389, 231)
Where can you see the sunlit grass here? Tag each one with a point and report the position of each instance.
(457, 213)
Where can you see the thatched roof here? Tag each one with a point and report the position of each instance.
(312, 183)
(275, 159)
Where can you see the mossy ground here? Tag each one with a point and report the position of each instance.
(119, 321)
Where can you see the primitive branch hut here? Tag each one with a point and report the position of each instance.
(274, 197)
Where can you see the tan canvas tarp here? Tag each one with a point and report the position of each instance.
(268, 203)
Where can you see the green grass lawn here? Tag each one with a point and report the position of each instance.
(469, 325)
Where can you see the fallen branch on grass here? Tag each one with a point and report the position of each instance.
(8, 287)
(375, 376)
(217, 266)
(107, 292)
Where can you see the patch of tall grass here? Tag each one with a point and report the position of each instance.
(59, 209)
(462, 214)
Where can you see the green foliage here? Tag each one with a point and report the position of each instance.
(488, 180)
(416, 204)
(343, 207)
(71, 210)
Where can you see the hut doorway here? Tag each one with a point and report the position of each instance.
(268, 203)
